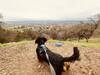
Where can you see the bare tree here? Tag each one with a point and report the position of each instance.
(87, 33)
(1, 16)
(1, 20)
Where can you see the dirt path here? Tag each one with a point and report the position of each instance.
(22, 60)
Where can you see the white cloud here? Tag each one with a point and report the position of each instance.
(49, 9)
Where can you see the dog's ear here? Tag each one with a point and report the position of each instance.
(37, 40)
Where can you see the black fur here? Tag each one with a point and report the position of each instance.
(55, 59)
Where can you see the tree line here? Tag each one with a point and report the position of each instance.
(73, 32)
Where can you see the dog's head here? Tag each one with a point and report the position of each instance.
(40, 40)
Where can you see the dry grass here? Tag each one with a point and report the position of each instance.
(20, 58)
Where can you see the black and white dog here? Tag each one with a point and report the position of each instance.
(55, 61)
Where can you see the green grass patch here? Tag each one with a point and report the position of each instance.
(93, 42)
(85, 44)
(14, 43)
(53, 41)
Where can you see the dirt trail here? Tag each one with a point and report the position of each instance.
(22, 60)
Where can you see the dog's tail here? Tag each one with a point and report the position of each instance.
(74, 57)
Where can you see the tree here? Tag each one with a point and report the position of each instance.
(1, 17)
(89, 29)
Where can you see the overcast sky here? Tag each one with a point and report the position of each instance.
(49, 9)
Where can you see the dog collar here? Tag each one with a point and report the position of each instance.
(42, 45)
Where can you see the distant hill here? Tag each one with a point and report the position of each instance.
(44, 22)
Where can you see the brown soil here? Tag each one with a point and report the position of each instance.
(22, 60)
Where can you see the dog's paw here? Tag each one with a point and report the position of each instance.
(66, 66)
